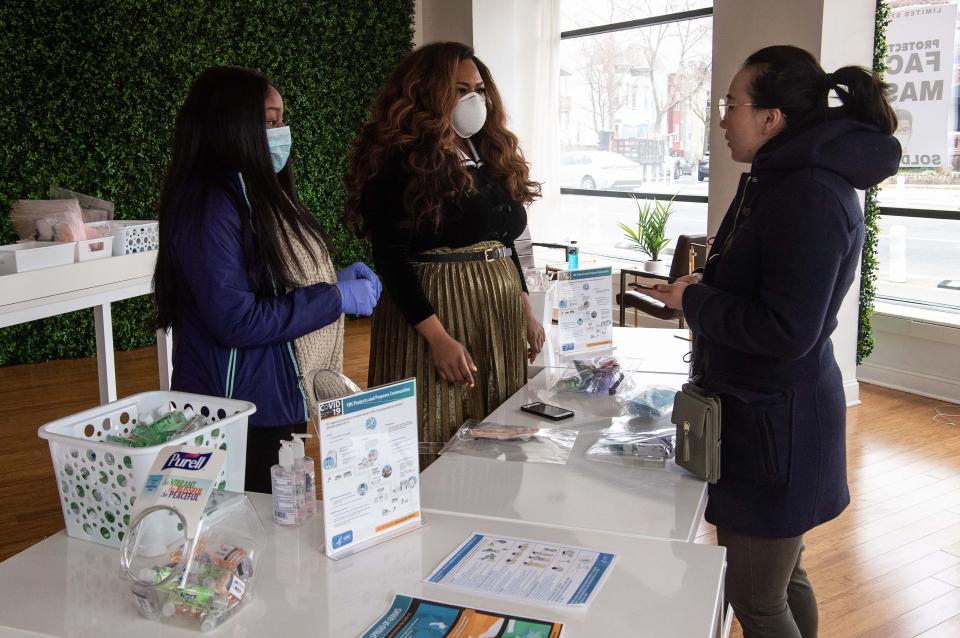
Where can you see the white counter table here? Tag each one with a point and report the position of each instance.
(619, 497)
(68, 587)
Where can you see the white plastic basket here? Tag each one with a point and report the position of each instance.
(99, 481)
(33, 255)
(98, 248)
(134, 236)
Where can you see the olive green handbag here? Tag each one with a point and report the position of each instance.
(697, 417)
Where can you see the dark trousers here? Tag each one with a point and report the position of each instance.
(767, 587)
(263, 446)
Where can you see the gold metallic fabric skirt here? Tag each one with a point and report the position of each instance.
(480, 305)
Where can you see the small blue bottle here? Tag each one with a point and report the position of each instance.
(573, 256)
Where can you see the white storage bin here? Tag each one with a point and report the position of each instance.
(97, 248)
(134, 236)
(33, 255)
(99, 481)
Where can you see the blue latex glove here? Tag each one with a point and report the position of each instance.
(359, 289)
(358, 296)
(359, 270)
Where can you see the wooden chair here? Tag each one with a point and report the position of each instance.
(690, 253)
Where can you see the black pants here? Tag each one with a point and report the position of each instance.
(263, 445)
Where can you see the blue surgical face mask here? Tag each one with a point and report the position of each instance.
(279, 141)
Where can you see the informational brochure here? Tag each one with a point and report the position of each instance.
(585, 309)
(369, 466)
(418, 617)
(525, 570)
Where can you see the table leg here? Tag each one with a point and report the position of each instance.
(106, 372)
(165, 357)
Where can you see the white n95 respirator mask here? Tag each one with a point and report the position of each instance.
(469, 114)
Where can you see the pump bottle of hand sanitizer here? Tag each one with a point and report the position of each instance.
(304, 463)
(283, 483)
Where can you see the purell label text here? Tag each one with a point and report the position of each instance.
(187, 461)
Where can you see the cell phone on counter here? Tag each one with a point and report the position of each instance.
(547, 411)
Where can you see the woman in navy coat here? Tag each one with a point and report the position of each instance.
(762, 312)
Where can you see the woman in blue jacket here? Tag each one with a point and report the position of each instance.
(244, 275)
(782, 261)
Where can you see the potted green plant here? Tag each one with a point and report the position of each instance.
(650, 234)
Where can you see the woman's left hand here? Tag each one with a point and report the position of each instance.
(671, 295)
(535, 337)
(535, 333)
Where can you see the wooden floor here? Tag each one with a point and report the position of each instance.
(889, 566)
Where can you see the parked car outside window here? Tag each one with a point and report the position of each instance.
(602, 170)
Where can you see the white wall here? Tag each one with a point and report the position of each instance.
(443, 21)
(519, 40)
(918, 354)
(838, 32)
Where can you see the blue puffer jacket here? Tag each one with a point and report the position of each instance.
(231, 338)
(784, 257)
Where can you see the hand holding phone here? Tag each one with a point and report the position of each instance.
(552, 412)
(642, 286)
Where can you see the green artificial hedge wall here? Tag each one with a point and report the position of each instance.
(871, 208)
(90, 91)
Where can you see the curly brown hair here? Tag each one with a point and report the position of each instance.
(411, 117)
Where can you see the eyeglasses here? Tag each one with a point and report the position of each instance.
(725, 106)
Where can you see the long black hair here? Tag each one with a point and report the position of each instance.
(220, 131)
(791, 79)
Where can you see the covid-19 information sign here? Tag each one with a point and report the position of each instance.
(920, 75)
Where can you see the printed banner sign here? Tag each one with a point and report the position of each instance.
(920, 75)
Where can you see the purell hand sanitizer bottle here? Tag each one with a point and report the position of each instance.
(283, 484)
(304, 463)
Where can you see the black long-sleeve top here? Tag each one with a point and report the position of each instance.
(488, 213)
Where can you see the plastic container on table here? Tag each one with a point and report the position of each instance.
(34, 255)
(199, 582)
(134, 236)
(99, 480)
(96, 248)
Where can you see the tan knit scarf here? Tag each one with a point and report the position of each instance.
(323, 348)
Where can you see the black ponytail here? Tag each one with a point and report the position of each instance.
(863, 97)
(792, 80)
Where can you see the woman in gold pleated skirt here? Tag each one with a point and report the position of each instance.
(491, 326)
(438, 184)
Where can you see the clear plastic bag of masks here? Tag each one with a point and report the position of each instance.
(590, 386)
(644, 433)
(520, 443)
(635, 440)
(653, 403)
(197, 583)
(599, 376)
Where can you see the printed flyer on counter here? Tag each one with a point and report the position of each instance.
(525, 570)
(418, 618)
(585, 309)
(369, 465)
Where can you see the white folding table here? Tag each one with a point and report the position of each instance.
(38, 294)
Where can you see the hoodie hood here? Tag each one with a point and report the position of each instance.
(856, 151)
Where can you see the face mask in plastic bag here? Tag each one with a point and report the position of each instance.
(602, 376)
(524, 443)
(653, 402)
(635, 438)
